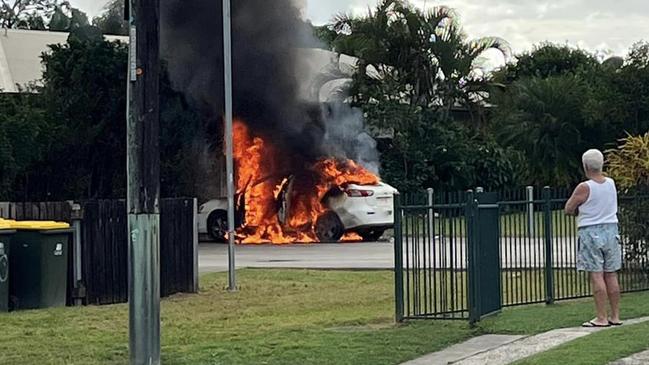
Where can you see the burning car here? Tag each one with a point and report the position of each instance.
(326, 199)
(364, 210)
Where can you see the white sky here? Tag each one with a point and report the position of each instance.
(595, 25)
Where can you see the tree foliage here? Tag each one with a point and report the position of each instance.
(325, 34)
(111, 21)
(547, 60)
(559, 102)
(420, 58)
(544, 119)
(429, 151)
(55, 15)
(84, 83)
(22, 137)
(414, 69)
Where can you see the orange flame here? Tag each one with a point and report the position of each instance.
(259, 178)
(351, 237)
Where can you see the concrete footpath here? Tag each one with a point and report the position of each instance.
(503, 350)
(641, 358)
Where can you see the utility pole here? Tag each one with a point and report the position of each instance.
(143, 169)
(229, 160)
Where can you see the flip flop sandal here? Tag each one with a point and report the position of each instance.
(592, 324)
(614, 323)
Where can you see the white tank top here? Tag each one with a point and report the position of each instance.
(601, 205)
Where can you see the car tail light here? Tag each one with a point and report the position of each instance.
(357, 193)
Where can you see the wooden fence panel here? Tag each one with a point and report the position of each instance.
(105, 249)
(49, 211)
(5, 210)
(176, 246)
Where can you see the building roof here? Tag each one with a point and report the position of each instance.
(20, 55)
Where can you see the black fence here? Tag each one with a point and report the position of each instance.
(463, 256)
(104, 246)
(104, 252)
(178, 246)
(56, 211)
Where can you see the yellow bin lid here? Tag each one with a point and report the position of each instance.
(5, 224)
(37, 225)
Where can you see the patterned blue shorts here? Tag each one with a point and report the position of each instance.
(600, 248)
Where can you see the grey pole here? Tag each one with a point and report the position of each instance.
(530, 211)
(76, 218)
(431, 213)
(227, 61)
(143, 183)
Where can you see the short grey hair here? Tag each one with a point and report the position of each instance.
(593, 160)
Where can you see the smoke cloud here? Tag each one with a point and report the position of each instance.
(266, 86)
(345, 136)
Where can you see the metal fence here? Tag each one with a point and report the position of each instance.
(447, 248)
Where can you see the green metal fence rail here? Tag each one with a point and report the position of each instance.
(445, 250)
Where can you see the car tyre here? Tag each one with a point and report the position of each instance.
(329, 227)
(372, 235)
(217, 225)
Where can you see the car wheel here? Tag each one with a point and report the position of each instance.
(329, 228)
(372, 235)
(217, 225)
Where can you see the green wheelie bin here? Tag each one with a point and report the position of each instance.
(6, 233)
(39, 264)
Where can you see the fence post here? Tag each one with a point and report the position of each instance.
(431, 201)
(195, 244)
(4, 210)
(76, 216)
(530, 211)
(472, 286)
(547, 222)
(398, 259)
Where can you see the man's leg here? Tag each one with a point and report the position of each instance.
(613, 291)
(598, 285)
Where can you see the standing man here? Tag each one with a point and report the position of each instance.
(594, 202)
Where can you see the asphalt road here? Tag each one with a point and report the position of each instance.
(375, 255)
(451, 254)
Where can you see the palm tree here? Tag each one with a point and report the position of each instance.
(421, 58)
(544, 119)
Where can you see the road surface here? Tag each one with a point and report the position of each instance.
(445, 253)
(369, 255)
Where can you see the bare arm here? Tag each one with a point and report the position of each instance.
(579, 197)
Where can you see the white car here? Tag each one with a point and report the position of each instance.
(367, 210)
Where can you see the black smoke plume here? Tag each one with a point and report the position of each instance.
(265, 37)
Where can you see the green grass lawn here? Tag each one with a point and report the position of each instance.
(600, 348)
(278, 317)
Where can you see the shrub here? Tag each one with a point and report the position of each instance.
(629, 166)
(629, 163)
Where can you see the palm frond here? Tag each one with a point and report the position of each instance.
(480, 45)
(437, 15)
